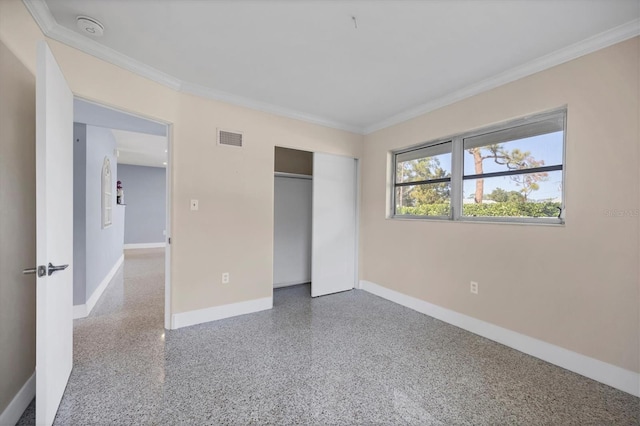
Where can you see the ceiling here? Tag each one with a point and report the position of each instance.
(139, 141)
(141, 149)
(310, 59)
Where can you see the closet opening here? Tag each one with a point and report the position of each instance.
(293, 190)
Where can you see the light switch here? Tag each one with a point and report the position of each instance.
(194, 204)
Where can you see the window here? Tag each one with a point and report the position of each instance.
(513, 172)
(423, 181)
(106, 189)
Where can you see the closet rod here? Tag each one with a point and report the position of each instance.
(293, 175)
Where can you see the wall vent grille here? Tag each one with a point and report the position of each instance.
(226, 137)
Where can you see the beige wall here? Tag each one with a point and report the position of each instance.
(293, 161)
(17, 225)
(233, 229)
(575, 286)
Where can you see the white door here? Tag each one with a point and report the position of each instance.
(54, 235)
(333, 259)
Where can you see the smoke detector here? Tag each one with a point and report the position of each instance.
(90, 26)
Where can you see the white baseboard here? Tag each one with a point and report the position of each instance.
(185, 319)
(19, 403)
(609, 374)
(81, 311)
(144, 245)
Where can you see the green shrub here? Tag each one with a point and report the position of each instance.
(506, 209)
(426, 210)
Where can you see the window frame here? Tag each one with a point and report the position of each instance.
(458, 176)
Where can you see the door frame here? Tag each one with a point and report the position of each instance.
(168, 323)
(356, 280)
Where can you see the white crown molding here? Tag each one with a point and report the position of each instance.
(43, 17)
(50, 27)
(41, 13)
(205, 92)
(47, 23)
(584, 47)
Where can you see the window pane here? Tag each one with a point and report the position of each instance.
(424, 168)
(524, 195)
(522, 131)
(520, 154)
(433, 199)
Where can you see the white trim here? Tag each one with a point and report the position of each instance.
(185, 319)
(356, 282)
(20, 402)
(609, 374)
(81, 311)
(41, 14)
(50, 27)
(218, 95)
(167, 252)
(576, 50)
(104, 284)
(144, 246)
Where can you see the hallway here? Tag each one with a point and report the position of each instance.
(349, 358)
(118, 350)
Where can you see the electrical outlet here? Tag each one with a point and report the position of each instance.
(225, 278)
(474, 287)
(194, 205)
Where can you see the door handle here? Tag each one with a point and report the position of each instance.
(40, 270)
(53, 269)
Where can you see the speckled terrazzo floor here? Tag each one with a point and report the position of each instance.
(349, 358)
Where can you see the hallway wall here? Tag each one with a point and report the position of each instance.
(146, 203)
(79, 213)
(102, 246)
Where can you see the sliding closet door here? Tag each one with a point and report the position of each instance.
(333, 262)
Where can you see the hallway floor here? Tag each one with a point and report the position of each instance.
(349, 358)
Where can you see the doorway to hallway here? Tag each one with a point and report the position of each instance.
(121, 197)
